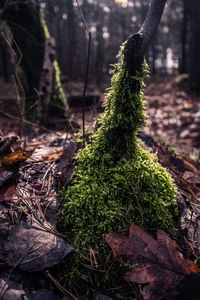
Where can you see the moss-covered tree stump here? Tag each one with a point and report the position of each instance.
(117, 181)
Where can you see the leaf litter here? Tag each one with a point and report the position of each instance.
(28, 208)
(157, 265)
(29, 188)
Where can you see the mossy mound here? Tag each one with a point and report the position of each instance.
(117, 182)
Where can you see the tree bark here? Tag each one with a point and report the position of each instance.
(137, 44)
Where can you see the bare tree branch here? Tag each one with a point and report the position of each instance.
(152, 21)
(137, 44)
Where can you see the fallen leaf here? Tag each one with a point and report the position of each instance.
(31, 249)
(15, 158)
(158, 266)
(7, 293)
(53, 156)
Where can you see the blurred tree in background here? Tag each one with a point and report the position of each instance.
(175, 48)
(194, 47)
(36, 70)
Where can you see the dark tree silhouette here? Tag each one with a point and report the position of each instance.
(194, 47)
(30, 41)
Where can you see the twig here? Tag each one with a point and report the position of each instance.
(87, 68)
(83, 18)
(85, 85)
(58, 285)
(20, 94)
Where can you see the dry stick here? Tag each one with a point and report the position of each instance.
(58, 285)
(20, 111)
(82, 16)
(20, 99)
(85, 85)
(87, 68)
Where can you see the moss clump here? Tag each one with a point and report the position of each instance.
(117, 182)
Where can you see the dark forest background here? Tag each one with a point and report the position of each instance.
(172, 51)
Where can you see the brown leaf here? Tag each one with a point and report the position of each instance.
(157, 265)
(32, 249)
(53, 156)
(15, 158)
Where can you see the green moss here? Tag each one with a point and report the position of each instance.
(117, 182)
(58, 98)
(44, 26)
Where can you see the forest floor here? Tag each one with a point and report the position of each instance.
(173, 115)
(30, 180)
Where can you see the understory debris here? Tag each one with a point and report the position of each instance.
(28, 208)
(29, 240)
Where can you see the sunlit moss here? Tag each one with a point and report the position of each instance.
(58, 98)
(44, 26)
(117, 181)
(58, 92)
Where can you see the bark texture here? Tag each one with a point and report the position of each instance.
(138, 43)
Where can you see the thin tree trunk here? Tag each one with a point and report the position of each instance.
(138, 43)
(71, 37)
(194, 48)
(183, 62)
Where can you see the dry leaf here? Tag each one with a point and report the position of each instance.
(15, 158)
(53, 156)
(31, 249)
(157, 265)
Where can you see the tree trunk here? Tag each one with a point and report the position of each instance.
(194, 48)
(72, 38)
(184, 33)
(29, 33)
(28, 43)
(138, 43)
